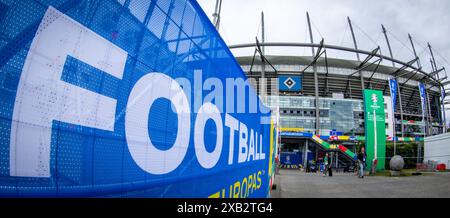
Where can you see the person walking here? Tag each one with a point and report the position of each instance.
(329, 166)
(362, 162)
(325, 164)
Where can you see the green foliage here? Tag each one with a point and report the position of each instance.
(407, 150)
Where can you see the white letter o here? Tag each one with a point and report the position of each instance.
(144, 93)
(206, 159)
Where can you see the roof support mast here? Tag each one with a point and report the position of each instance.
(434, 67)
(216, 14)
(316, 83)
(262, 81)
(398, 87)
(388, 44)
(414, 50)
(433, 63)
(357, 54)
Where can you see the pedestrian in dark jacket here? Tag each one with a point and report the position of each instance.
(362, 162)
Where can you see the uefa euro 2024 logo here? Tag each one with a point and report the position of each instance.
(374, 98)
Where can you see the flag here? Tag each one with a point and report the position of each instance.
(393, 88)
(423, 98)
(444, 121)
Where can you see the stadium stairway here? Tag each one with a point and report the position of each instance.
(325, 145)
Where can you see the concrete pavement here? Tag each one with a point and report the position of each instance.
(292, 183)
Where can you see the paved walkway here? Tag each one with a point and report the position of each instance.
(293, 183)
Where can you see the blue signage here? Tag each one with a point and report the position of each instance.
(290, 158)
(290, 83)
(125, 98)
(296, 134)
(393, 89)
(423, 98)
(335, 133)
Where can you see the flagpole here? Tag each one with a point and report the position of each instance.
(375, 128)
(423, 100)
(394, 133)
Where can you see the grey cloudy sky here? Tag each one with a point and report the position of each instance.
(285, 21)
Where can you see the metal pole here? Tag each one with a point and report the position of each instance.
(316, 83)
(353, 37)
(305, 154)
(433, 62)
(401, 110)
(216, 14)
(357, 54)
(443, 111)
(388, 44)
(263, 33)
(262, 92)
(432, 66)
(414, 50)
(398, 87)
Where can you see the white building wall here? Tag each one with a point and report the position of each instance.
(437, 148)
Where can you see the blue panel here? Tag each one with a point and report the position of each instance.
(290, 83)
(297, 134)
(290, 158)
(70, 96)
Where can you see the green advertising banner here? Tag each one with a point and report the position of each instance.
(375, 128)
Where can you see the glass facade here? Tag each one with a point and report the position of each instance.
(343, 115)
(340, 114)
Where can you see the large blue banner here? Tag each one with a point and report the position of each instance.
(125, 98)
(393, 89)
(423, 99)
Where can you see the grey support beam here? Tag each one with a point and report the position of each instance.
(401, 110)
(263, 90)
(404, 67)
(413, 73)
(353, 37)
(388, 44)
(357, 54)
(216, 14)
(305, 153)
(437, 71)
(433, 61)
(414, 50)
(316, 82)
(334, 47)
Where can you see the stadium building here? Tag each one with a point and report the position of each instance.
(320, 98)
